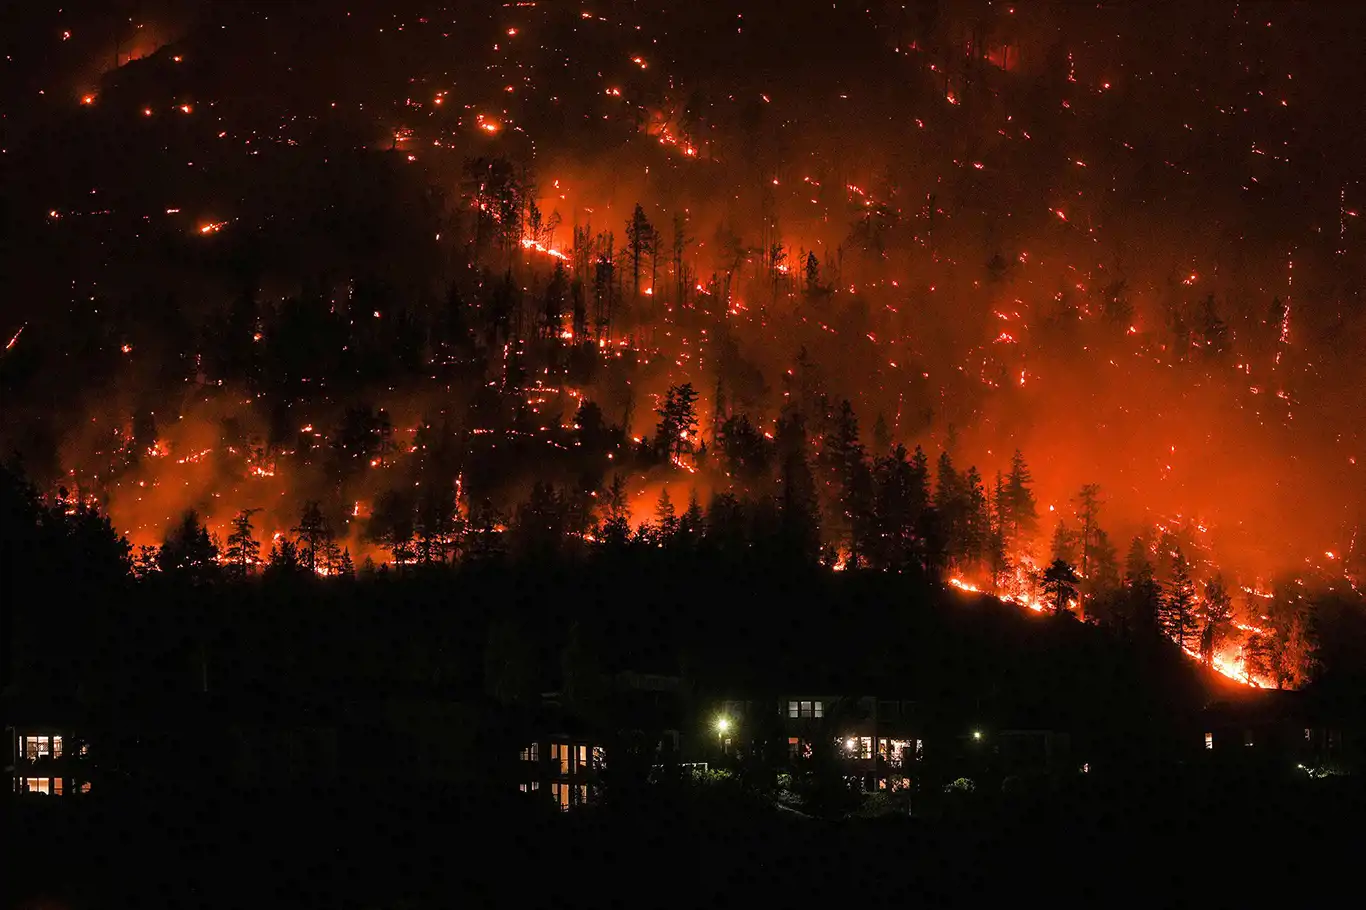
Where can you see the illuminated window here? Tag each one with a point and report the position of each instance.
(896, 751)
(56, 786)
(580, 757)
(37, 785)
(559, 752)
(85, 787)
(36, 747)
(794, 747)
(865, 747)
(581, 795)
(560, 793)
(792, 708)
(805, 709)
(532, 752)
(599, 757)
(531, 787)
(1209, 740)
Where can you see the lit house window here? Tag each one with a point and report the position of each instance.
(36, 747)
(559, 752)
(532, 752)
(560, 793)
(56, 786)
(580, 757)
(1209, 740)
(897, 751)
(38, 784)
(805, 709)
(599, 757)
(531, 787)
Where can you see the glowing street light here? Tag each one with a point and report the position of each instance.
(722, 725)
(977, 735)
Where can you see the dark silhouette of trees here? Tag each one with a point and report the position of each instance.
(1218, 616)
(188, 553)
(283, 560)
(314, 538)
(1060, 582)
(900, 499)
(1292, 646)
(243, 551)
(666, 523)
(496, 194)
(604, 289)
(365, 435)
(392, 525)
(849, 486)
(677, 422)
(616, 529)
(1179, 607)
(1064, 543)
(799, 512)
(641, 243)
(1145, 594)
(538, 531)
(437, 526)
(1020, 515)
(745, 453)
(678, 247)
(1088, 509)
(552, 312)
(692, 524)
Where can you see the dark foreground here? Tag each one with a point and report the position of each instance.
(1156, 844)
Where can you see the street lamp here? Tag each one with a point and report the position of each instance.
(722, 728)
(977, 735)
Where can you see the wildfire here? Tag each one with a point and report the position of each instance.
(530, 244)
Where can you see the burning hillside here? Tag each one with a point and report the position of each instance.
(429, 282)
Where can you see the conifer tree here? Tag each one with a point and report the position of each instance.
(244, 550)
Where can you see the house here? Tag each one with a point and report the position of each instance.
(48, 749)
(565, 755)
(876, 739)
(1278, 727)
(562, 756)
(47, 760)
